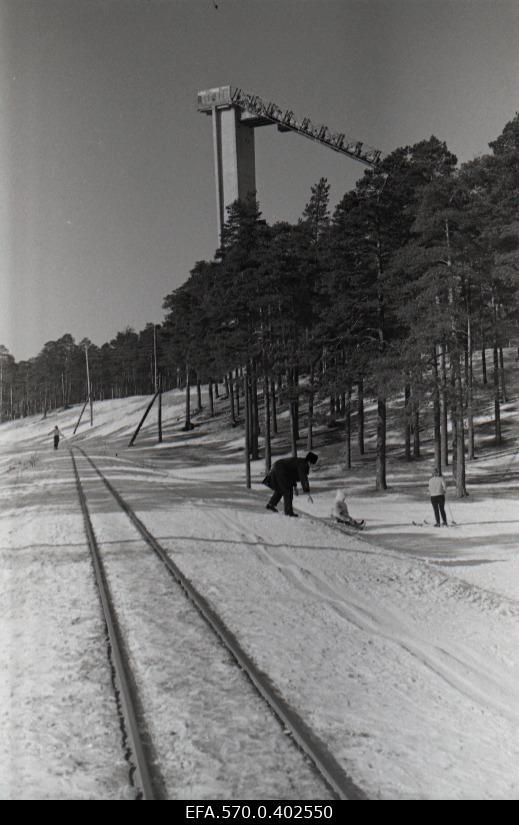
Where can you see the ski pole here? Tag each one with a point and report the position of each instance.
(450, 514)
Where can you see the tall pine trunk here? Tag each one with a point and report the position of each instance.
(254, 413)
(296, 399)
(211, 398)
(416, 427)
(436, 414)
(380, 481)
(230, 390)
(497, 382)
(247, 410)
(237, 392)
(188, 425)
(274, 406)
(310, 434)
(444, 409)
(380, 471)
(470, 391)
(407, 422)
(347, 427)
(461, 490)
(497, 403)
(199, 394)
(266, 396)
(360, 415)
(504, 399)
(293, 438)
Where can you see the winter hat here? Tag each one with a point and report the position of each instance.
(311, 458)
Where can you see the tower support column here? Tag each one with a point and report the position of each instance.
(234, 152)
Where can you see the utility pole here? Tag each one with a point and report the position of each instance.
(88, 388)
(159, 422)
(155, 357)
(4, 356)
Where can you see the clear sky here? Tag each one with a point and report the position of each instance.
(106, 171)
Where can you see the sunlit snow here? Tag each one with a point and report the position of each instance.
(398, 645)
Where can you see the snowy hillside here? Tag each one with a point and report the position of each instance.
(400, 645)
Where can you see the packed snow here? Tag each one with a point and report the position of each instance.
(399, 645)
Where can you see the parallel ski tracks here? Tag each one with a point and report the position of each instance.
(468, 588)
(147, 776)
(143, 776)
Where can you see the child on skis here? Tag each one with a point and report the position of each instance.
(437, 492)
(341, 513)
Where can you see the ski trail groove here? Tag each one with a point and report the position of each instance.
(464, 672)
(138, 753)
(329, 768)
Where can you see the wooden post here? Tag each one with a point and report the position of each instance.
(80, 416)
(143, 419)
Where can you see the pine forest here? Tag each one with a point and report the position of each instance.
(402, 296)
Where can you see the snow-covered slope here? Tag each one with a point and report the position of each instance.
(400, 645)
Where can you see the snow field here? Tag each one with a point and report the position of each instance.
(400, 646)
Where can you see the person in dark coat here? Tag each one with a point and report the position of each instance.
(284, 477)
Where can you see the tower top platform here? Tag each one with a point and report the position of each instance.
(253, 110)
(223, 97)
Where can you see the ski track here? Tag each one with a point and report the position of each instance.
(461, 668)
(488, 600)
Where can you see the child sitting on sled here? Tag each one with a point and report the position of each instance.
(341, 513)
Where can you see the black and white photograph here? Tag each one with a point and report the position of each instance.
(259, 403)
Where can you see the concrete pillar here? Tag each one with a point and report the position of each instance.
(234, 160)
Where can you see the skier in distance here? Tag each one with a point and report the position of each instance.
(56, 433)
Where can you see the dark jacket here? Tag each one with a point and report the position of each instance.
(287, 472)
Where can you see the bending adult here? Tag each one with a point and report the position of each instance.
(284, 476)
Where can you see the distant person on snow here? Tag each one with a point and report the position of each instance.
(437, 492)
(284, 477)
(341, 513)
(56, 433)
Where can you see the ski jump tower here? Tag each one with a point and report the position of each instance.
(235, 115)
